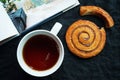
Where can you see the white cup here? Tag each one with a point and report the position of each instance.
(53, 35)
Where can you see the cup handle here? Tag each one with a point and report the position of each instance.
(56, 28)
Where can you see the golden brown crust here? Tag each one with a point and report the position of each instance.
(94, 10)
(85, 39)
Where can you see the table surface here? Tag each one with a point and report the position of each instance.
(105, 66)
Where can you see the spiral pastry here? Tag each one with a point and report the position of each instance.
(85, 39)
(95, 10)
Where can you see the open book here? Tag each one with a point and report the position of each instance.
(36, 13)
(7, 28)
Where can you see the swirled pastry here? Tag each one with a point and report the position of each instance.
(94, 10)
(85, 39)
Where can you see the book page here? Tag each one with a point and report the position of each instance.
(7, 28)
(36, 14)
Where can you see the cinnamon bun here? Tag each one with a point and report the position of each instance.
(85, 39)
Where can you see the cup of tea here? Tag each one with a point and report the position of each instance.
(40, 52)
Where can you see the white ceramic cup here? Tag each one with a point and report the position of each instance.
(53, 35)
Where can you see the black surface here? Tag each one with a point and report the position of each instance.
(105, 66)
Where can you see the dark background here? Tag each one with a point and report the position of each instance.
(105, 66)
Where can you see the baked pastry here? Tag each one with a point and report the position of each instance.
(85, 39)
(94, 10)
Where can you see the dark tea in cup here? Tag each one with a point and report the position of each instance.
(40, 52)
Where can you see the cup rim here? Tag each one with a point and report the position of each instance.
(31, 71)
